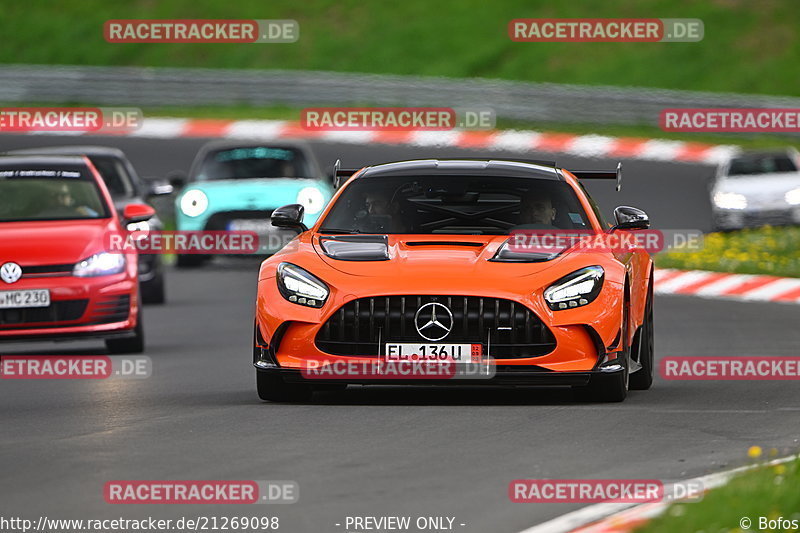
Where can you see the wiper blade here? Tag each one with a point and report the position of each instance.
(336, 230)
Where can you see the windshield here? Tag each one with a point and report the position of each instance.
(115, 176)
(471, 205)
(254, 162)
(747, 166)
(49, 194)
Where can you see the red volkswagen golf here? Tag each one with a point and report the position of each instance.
(57, 280)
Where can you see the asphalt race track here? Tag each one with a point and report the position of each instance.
(383, 450)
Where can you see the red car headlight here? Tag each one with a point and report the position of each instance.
(102, 264)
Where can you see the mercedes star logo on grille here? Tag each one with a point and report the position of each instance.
(10, 272)
(434, 321)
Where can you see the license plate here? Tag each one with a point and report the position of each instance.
(262, 227)
(436, 353)
(22, 299)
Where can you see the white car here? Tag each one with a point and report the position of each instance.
(756, 189)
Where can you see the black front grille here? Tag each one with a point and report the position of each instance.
(58, 311)
(359, 326)
(41, 271)
(111, 309)
(219, 221)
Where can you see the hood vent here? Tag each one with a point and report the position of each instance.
(445, 243)
(356, 247)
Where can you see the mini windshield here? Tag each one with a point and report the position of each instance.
(471, 205)
(254, 162)
(49, 194)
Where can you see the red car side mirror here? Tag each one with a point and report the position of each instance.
(137, 213)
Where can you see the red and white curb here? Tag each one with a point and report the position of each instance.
(745, 287)
(597, 146)
(626, 517)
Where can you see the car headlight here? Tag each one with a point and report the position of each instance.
(300, 287)
(730, 200)
(101, 264)
(194, 203)
(576, 289)
(793, 197)
(311, 199)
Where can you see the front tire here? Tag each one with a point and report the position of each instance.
(643, 378)
(131, 344)
(153, 291)
(272, 388)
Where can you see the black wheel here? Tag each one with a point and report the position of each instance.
(271, 387)
(153, 291)
(130, 344)
(191, 260)
(642, 379)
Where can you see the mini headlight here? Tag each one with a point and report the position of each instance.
(730, 200)
(311, 199)
(793, 197)
(194, 203)
(301, 287)
(576, 289)
(101, 264)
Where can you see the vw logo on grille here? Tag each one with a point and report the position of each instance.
(434, 321)
(10, 272)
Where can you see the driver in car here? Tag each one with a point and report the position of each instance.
(379, 215)
(536, 211)
(63, 203)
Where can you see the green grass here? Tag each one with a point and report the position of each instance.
(749, 47)
(768, 250)
(767, 491)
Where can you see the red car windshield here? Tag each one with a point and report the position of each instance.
(49, 194)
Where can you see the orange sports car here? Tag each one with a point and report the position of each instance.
(414, 262)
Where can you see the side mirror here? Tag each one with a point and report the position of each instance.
(177, 179)
(159, 187)
(630, 218)
(289, 216)
(137, 213)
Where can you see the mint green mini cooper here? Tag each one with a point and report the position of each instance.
(236, 186)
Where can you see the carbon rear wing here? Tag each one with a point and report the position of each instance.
(340, 175)
(601, 175)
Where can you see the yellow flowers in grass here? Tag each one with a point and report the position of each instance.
(767, 250)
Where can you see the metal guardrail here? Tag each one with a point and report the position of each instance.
(154, 87)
